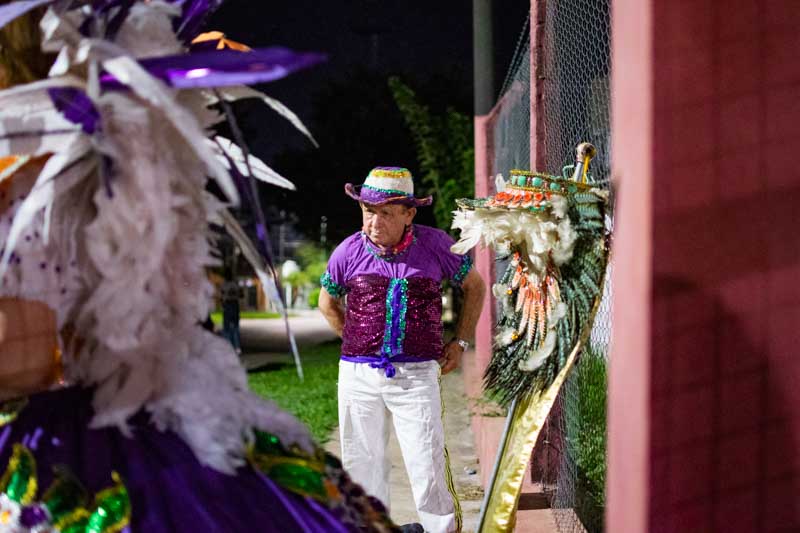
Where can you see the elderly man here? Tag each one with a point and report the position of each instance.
(393, 354)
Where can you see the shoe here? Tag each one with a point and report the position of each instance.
(412, 528)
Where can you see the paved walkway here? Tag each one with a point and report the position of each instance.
(264, 341)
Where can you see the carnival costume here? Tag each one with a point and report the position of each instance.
(552, 231)
(391, 341)
(106, 208)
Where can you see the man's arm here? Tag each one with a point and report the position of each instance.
(474, 290)
(333, 311)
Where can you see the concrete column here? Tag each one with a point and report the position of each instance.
(629, 374)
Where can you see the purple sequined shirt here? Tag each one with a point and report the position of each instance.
(394, 307)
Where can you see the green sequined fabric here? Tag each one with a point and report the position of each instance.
(466, 266)
(333, 288)
(401, 285)
(64, 507)
(320, 476)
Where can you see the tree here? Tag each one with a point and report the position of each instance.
(445, 150)
(358, 126)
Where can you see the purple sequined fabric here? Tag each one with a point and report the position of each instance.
(365, 322)
(423, 318)
(366, 315)
(414, 317)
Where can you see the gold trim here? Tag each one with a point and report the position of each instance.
(10, 409)
(448, 474)
(390, 174)
(528, 418)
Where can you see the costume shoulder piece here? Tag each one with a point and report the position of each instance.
(552, 232)
(117, 135)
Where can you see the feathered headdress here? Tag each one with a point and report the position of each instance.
(552, 232)
(112, 228)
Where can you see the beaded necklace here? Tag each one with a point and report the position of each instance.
(395, 251)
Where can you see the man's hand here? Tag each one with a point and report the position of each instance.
(451, 357)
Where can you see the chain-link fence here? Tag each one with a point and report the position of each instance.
(574, 46)
(576, 65)
(511, 121)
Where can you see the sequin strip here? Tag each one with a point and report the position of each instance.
(396, 306)
(399, 318)
(389, 172)
(466, 265)
(388, 191)
(333, 288)
(387, 331)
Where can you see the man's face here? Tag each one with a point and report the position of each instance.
(384, 224)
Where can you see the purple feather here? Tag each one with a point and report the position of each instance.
(223, 68)
(193, 15)
(76, 107)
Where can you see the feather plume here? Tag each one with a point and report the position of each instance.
(129, 215)
(232, 94)
(260, 170)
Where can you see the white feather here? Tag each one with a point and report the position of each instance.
(260, 170)
(539, 356)
(499, 183)
(29, 122)
(134, 281)
(241, 92)
(42, 193)
(129, 72)
(505, 337)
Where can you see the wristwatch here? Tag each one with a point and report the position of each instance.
(461, 342)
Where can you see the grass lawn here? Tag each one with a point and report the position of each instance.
(313, 400)
(216, 316)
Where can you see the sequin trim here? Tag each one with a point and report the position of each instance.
(320, 476)
(63, 507)
(387, 329)
(389, 172)
(463, 270)
(396, 307)
(388, 191)
(401, 334)
(293, 469)
(333, 288)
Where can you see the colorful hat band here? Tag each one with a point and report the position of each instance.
(390, 185)
(371, 196)
(387, 185)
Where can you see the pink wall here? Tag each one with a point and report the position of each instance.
(632, 120)
(485, 429)
(707, 284)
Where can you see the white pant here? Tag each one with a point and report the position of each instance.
(412, 399)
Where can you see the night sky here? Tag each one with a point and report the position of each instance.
(427, 43)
